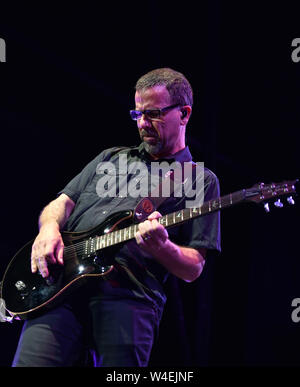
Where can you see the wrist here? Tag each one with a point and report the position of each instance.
(166, 248)
(50, 223)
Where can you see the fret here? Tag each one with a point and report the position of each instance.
(186, 214)
(215, 204)
(169, 219)
(195, 211)
(163, 221)
(102, 242)
(108, 241)
(92, 246)
(179, 215)
(130, 235)
(126, 232)
(115, 237)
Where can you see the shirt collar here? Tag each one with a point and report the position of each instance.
(180, 156)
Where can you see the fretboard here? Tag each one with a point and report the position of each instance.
(169, 220)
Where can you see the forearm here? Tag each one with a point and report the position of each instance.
(184, 262)
(56, 212)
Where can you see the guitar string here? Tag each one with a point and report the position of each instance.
(80, 247)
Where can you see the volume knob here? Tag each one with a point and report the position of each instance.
(20, 285)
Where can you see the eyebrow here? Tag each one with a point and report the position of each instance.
(155, 108)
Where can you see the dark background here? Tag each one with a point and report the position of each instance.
(66, 89)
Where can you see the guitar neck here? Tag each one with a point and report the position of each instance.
(172, 219)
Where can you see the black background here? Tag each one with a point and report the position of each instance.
(66, 88)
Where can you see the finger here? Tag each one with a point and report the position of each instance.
(156, 225)
(33, 265)
(32, 259)
(138, 238)
(145, 227)
(159, 231)
(155, 215)
(42, 266)
(60, 254)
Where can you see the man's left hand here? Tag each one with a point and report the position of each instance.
(151, 236)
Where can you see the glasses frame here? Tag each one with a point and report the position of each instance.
(149, 111)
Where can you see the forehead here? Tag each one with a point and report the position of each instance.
(154, 97)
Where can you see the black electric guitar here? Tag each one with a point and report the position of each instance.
(89, 254)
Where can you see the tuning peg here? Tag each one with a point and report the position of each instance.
(266, 207)
(278, 204)
(290, 200)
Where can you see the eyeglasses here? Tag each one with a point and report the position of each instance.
(151, 114)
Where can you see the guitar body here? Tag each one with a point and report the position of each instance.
(26, 294)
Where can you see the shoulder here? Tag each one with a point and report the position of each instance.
(210, 176)
(211, 182)
(107, 154)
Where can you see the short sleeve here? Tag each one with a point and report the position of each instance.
(204, 231)
(78, 184)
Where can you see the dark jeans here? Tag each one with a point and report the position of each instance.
(120, 333)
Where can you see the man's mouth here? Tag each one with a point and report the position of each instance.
(149, 136)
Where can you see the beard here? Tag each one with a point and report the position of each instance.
(153, 149)
(154, 146)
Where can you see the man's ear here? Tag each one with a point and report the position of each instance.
(186, 111)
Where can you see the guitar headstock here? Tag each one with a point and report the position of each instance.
(265, 192)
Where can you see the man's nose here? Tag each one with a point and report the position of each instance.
(144, 122)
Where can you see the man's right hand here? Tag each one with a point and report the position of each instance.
(47, 248)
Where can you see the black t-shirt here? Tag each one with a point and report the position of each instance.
(99, 190)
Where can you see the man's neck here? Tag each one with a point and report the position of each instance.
(165, 155)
